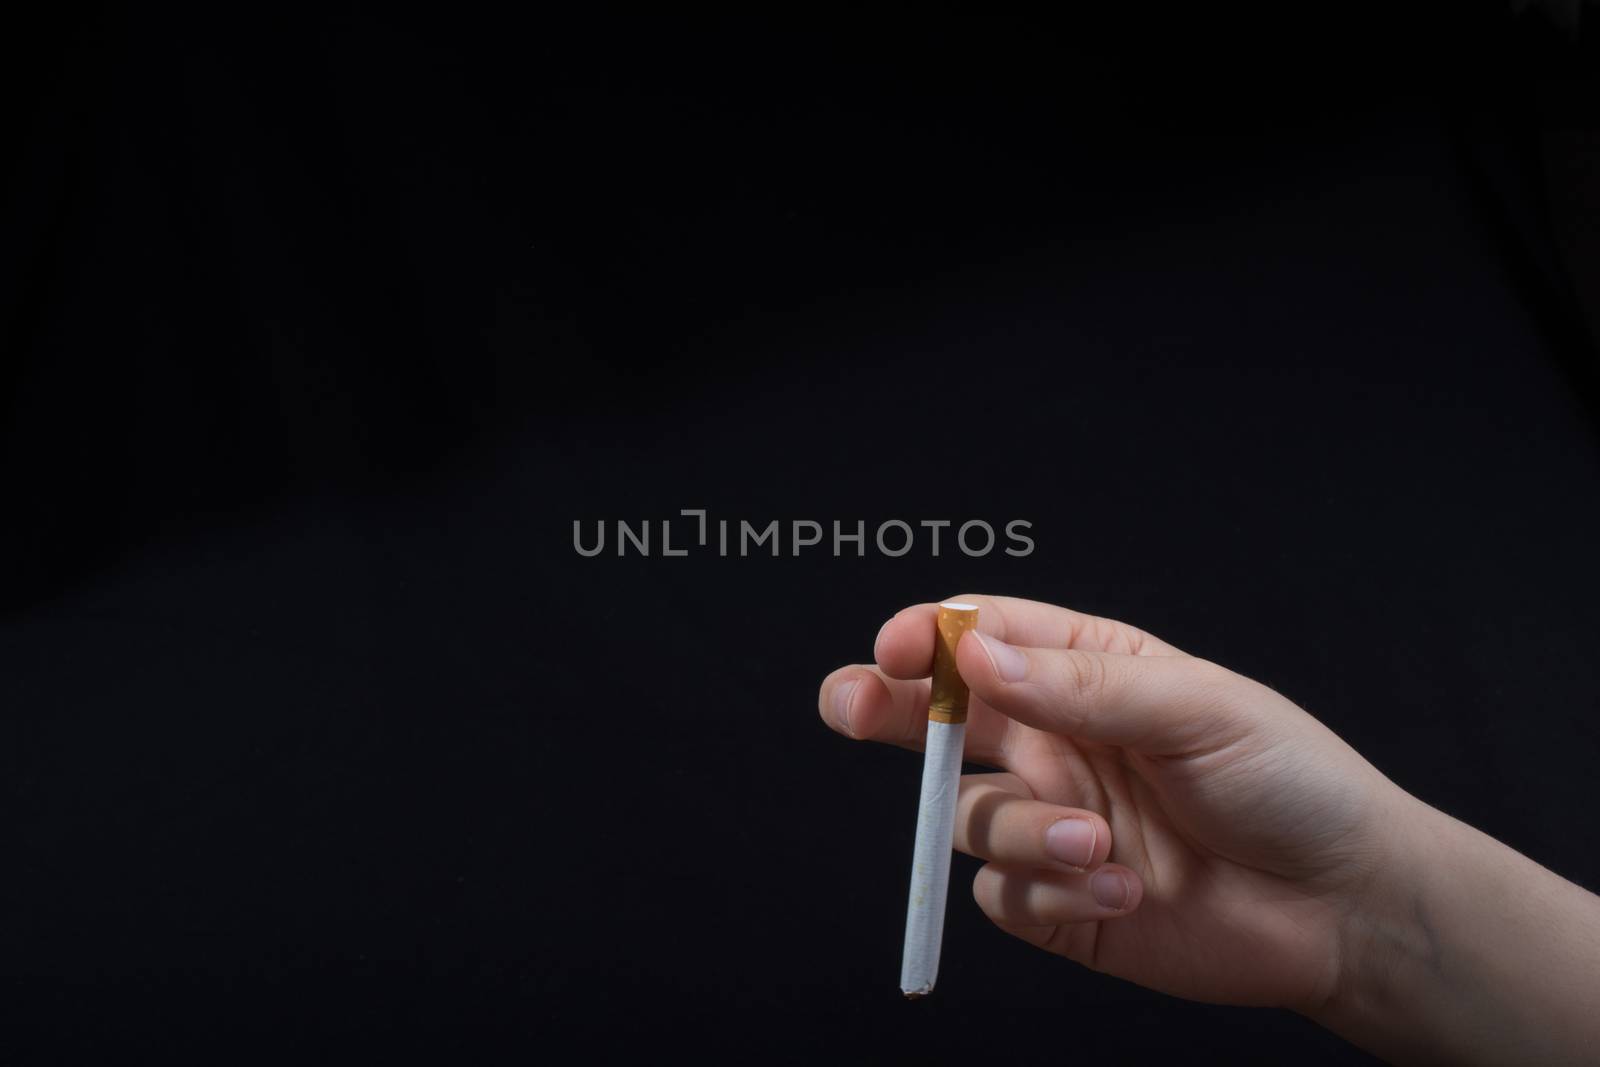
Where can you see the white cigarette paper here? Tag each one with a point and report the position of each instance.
(936, 813)
(930, 861)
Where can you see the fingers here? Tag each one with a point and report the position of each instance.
(1023, 897)
(1047, 863)
(861, 703)
(904, 647)
(1157, 705)
(998, 819)
(889, 703)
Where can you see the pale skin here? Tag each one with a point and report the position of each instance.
(1157, 817)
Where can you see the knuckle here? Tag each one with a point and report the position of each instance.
(1084, 677)
(1138, 642)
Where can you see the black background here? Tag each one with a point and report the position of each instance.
(321, 330)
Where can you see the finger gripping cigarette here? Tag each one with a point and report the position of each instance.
(936, 814)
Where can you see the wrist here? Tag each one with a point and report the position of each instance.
(1384, 937)
(1462, 950)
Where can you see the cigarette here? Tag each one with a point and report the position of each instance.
(936, 815)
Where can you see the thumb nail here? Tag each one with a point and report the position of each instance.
(842, 696)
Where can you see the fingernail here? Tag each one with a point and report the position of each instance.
(842, 695)
(1110, 889)
(1071, 841)
(1010, 664)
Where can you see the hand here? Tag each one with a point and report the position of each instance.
(1165, 820)
(1157, 817)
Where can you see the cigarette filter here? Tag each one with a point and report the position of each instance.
(936, 816)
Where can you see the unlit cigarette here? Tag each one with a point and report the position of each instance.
(936, 816)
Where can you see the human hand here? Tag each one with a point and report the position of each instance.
(1157, 817)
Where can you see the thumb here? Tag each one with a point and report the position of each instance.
(1158, 705)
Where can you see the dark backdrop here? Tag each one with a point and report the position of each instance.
(321, 330)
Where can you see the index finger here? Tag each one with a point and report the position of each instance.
(904, 647)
